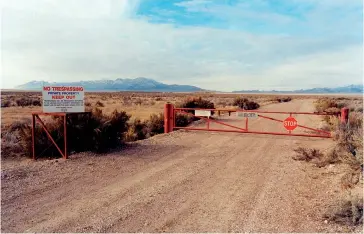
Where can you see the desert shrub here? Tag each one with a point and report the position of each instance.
(155, 124)
(320, 159)
(355, 120)
(333, 110)
(28, 102)
(111, 133)
(99, 104)
(6, 103)
(245, 104)
(342, 104)
(12, 143)
(350, 137)
(23, 102)
(138, 101)
(88, 104)
(348, 212)
(352, 109)
(182, 120)
(197, 103)
(10, 146)
(85, 132)
(332, 156)
(224, 102)
(97, 132)
(303, 154)
(137, 130)
(349, 143)
(351, 178)
(36, 102)
(21, 142)
(283, 99)
(323, 104)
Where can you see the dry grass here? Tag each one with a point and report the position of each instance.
(332, 105)
(348, 212)
(349, 151)
(140, 105)
(303, 154)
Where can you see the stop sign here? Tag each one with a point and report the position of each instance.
(290, 123)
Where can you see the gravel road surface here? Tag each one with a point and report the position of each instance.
(178, 182)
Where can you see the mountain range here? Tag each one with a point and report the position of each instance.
(150, 85)
(137, 84)
(344, 89)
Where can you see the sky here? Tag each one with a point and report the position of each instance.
(220, 45)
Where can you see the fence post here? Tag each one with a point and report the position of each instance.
(33, 135)
(344, 115)
(65, 135)
(168, 118)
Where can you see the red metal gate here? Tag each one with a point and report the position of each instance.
(289, 124)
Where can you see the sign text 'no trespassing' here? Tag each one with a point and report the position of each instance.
(63, 99)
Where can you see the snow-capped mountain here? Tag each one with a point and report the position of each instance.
(344, 89)
(137, 84)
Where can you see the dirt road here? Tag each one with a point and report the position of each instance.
(180, 182)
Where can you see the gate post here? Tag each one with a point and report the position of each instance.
(344, 115)
(168, 118)
(33, 135)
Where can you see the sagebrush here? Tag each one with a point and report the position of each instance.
(245, 104)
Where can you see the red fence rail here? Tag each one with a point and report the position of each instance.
(171, 111)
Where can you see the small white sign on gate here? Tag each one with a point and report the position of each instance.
(63, 99)
(206, 113)
(247, 114)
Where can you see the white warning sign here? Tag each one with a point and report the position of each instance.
(206, 113)
(63, 99)
(247, 114)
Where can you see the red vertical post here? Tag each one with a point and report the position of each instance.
(168, 118)
(246, 124)
(174, 118)
(65, 135)
(344, 115)
(171, 116)
(33, 135)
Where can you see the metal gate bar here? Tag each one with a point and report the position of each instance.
(214, 121)
(171, 120)
(298, 125)
(255, 132)
(258, 111)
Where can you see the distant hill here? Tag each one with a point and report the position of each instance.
(345, 89)
(137, 84)
(150, 85)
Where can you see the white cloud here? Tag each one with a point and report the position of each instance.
(84, 40)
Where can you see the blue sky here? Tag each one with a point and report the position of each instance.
(223, 45)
